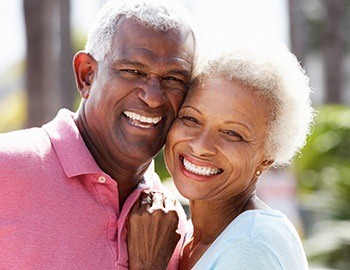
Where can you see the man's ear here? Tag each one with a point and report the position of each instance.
(84, 66)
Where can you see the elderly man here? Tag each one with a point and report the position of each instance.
(66, 188)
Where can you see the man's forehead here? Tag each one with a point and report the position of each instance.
(134, 40)
(125, 24)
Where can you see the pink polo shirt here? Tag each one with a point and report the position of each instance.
(58, 210)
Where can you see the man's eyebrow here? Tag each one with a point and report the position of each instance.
(184, 72)
(129, 62)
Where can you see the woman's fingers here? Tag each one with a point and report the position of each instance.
(161, 202)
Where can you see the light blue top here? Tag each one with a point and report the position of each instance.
(256, 239)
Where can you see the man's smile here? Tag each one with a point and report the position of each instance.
(142, 121)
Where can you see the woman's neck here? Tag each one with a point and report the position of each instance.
(209, 219)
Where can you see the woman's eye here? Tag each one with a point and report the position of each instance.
(189, 120)
(233, 136)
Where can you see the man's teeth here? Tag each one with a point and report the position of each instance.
(143, 119)
(199, 169)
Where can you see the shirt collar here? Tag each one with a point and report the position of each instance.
(150, 178)
(69, 146)
(75, 157)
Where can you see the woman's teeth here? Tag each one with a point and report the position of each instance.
(201, 170)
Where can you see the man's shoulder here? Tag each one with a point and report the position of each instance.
(22, 141)
(26, 145)
(22, 153)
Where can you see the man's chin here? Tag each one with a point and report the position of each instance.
(142, 153)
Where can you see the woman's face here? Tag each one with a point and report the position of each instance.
(216, 144)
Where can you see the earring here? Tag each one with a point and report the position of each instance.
(258, 173)
(86, 94)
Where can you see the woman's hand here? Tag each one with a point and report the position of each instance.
(152, 235)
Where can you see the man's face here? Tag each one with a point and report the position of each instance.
(137, 90)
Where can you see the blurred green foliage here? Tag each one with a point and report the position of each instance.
(160, 166)
(323, 172)
(324, 165)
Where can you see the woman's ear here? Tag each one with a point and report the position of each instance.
(264, 165)
(84, 66)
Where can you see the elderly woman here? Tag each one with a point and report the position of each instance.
(247, 109)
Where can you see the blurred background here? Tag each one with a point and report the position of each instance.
(40, 37)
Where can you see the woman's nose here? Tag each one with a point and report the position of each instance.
(203, 143)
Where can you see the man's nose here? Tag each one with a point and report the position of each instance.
(152, 92)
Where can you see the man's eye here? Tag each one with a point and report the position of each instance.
(171, 78)
(173, 82)
(132, 72)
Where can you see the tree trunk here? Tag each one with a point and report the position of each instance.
(297, 30)
(334, 49)
(67, 78)
(45, 52)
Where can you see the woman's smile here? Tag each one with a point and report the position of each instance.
(192, 168)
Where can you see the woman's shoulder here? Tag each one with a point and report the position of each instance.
(266, 226)
(264, 234)
(261, 220)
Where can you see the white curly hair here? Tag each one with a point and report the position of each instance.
(160, 15)
(274, 72)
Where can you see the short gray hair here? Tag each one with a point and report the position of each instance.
(159, 15)
(274, 72)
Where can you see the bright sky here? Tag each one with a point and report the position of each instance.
(254, 17)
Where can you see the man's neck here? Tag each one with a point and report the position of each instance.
(126, 176)
(125, 171)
